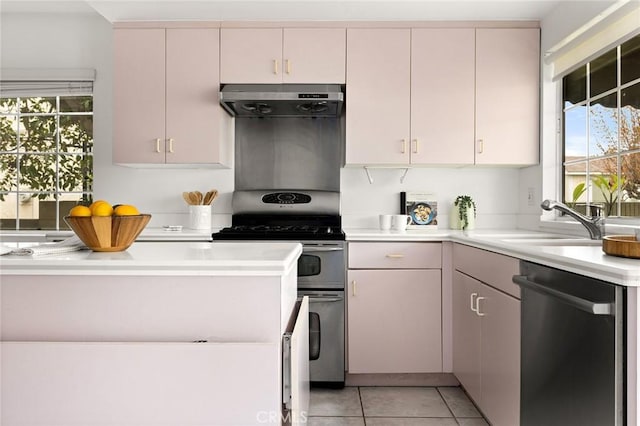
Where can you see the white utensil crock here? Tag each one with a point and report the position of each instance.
(200, 217)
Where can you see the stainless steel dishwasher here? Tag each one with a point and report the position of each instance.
(572, 349)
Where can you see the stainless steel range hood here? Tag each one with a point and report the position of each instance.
(282, 100)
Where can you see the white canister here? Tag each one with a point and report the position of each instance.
(385, 222)
(200, 217)
(399, 222)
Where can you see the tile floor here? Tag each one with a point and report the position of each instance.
(392, 406)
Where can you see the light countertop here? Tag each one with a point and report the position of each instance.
(161, 258)
(579, 255)
(147, 234)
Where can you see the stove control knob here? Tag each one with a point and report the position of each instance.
(329, 230)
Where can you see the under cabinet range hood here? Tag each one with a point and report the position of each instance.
(282, 100)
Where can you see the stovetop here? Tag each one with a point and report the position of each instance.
(280, 232)
(282, 227)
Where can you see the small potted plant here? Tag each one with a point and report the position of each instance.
(463, 213)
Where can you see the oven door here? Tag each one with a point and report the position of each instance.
(327, 308)
(322, 265)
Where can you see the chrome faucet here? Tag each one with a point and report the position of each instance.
(595, 225)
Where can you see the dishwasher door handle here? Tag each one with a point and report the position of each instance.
(594, 308)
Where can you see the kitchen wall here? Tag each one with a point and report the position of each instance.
(84, 41)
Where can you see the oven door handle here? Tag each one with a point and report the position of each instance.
(313, 299)
(314, 336)
(320, 249)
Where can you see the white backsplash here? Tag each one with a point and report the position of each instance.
(494, 190)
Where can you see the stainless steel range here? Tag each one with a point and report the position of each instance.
(313, 219)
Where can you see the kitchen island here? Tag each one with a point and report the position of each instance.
(163, 333)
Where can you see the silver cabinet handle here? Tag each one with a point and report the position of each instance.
(275, 66)
(158, 145)
(353, 288)
(395, 256)
(480, 314)
(404, 146)
(288, 66)
(594, 308)
(416, 146)
(171, 145)
(480, 146)
(472, 302)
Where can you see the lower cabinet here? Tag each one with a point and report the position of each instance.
(486, 337)
(394, 314)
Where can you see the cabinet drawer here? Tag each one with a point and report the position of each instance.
(395, 255)
(493, 269)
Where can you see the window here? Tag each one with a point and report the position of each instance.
(601, 133)
(46, 155)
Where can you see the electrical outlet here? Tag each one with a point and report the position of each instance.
(530, 195)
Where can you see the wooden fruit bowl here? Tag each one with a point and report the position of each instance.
(621, 245)
(108, 233)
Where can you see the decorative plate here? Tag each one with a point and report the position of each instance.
(422, 213)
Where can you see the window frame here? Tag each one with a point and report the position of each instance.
(57, 193)
(587, 103)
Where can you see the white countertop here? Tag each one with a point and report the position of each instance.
(590, 261)
(158, 258)
(147, 234)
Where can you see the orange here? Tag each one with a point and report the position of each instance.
(101, 209)
(80, 211)
(125, 210)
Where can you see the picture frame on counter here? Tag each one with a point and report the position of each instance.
(422, 207)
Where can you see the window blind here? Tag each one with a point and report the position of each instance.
(613, 27)
(42, 83)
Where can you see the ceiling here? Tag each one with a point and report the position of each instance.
(292, 10)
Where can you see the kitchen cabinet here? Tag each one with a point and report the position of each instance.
(438, 97)
(282, 55)
(166, 109)
(486, 332)
(442, 101)
(394, 308)
(122, 348)
(378, 93)
(507, 95)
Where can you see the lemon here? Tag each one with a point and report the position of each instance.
(80, 211)
(92, 205)
(125, 210)
(101, 208)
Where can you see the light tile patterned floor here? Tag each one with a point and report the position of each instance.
(393, 406)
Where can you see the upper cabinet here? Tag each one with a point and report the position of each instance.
(276, 55)
(166, 109)
(442, 96)
(442, 101)
(378, 93)
(507, 95)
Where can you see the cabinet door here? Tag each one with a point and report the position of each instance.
(193, 109)
(507, 95)
(250, 55)
(500, 357)
(139, 97)
(128, 384)
(466, 334)
(314, 55)
(378, 86)
(394, 321)
(442, 96)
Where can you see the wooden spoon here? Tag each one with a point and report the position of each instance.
(186, 197)
(199, 197)
(210, 196)
(193, 198)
